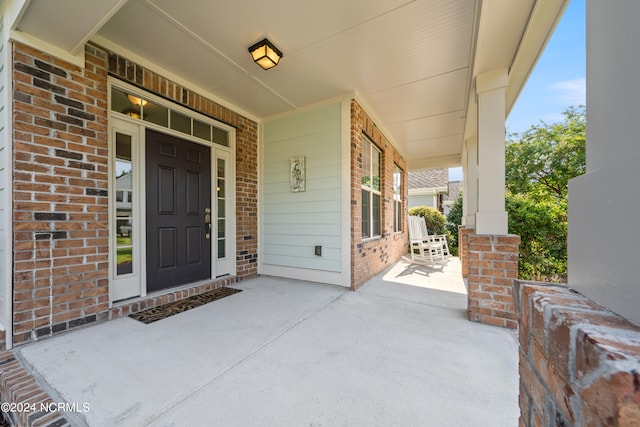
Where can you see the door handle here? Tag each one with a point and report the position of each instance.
(207, 220)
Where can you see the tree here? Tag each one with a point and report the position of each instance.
(539, 165)
(542, 227)
(541, 161)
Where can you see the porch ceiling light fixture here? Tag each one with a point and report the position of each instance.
(137, 101)
(265, 54)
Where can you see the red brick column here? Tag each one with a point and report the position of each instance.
(579, 363)
(493, 266)
(463, 248)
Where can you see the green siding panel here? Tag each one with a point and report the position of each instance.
(294, 223)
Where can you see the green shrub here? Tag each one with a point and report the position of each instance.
(434, 219)
(542, 226)
(454, 220)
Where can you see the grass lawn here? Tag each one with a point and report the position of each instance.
(123, 241)
(124, 255)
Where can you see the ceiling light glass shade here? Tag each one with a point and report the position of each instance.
(265, 54)
(137, 101)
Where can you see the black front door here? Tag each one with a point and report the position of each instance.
(178, 186)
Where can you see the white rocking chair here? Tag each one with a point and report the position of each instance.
(428, 248)
(442, 238)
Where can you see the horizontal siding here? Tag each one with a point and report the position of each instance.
(313, 206)
(294, 223)
(303, 231)
(421, 200)
(317, 263)
(295, 240)
(307, 219)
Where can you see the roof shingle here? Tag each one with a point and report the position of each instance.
(429, 178)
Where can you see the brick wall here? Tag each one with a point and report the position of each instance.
(370, 257)
(19, 387)
(579, 363)
(493, 267)
(60, 190)
(60, 166)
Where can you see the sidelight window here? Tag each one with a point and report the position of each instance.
(124, 204)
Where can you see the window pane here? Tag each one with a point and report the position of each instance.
(155, 113)
(366, 213)
(397, 199)
(221, 233)
(366, 163)
(397, 214)
(375, 211)
(221, 251)
(220, 168)
(397, 183)
(375, 169)
(180, 122)
(124, 231)
(121, 104)
(201, 130)
(220, 188)
(124, 261)
(220, 137)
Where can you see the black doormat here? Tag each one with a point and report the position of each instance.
(176, 307)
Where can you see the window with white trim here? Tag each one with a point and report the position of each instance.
(397, 198)
(371, 196)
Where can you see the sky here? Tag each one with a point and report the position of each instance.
(557, 81)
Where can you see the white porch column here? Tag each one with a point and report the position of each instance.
(608, 274)
(491, 217)
(470, 182)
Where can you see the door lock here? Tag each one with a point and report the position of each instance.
(207, 220)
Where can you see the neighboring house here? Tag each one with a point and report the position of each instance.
(428, 187)
(452, 194)
(124, 203)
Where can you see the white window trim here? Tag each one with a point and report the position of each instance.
(397, 168)
(372, 147)
(6, 163)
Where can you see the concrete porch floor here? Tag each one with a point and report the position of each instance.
(397, 352)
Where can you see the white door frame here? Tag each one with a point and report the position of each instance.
(134, 285)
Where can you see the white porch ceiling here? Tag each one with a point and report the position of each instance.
(411, 62)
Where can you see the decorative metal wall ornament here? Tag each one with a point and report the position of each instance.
(298, 174)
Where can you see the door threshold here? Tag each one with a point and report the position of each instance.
(178, 289)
